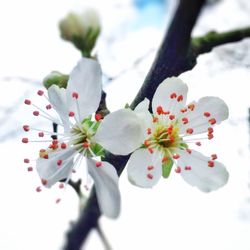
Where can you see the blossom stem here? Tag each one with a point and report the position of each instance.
(103, 237)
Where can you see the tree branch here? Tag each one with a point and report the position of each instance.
(206, 43)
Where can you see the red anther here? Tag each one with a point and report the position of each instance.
(207, 114)
(184, 120)
(150, 168)
(212, 121)
(63, 145)
(86, 145)
(189, 150)
(188, 168)
(36, 113)
(170, 129)
(59, 163)
(151, 151)
(210, 130)
(75, 95)
(42, 150)
(26, 160)
(171, 139)
(166, 112)
(26, 128)
(71, 114)
(48, 106)
(155, 119)
(38, 189)
(41, 134)
(164, 159)
(46, 156)
(98, 164)
(149, 131)
(177, 170)
(40, 92)
(61, 185)
(25, 140)
(173, 95)
(191, 107)
(55, 142)
(190, 131)
(172, 117)
(210, 136)
(214, 156)
(73, 171)
(30, 169)
(198, 143)
(210, 164)
(27, 102)
(98, 117)
(176, 156)
(146, 143)
(44, 182)
(180, 98)
(58, 200)
(150, 176)
(159, 110)
(183, 110)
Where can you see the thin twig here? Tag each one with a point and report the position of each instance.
(103, 238)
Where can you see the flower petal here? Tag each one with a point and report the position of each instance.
(57, 97)
(144, 115)
(202, 176)
(86, 81)
(120, 132)
(144, 169)
(171, 95)
(205, 110)
(106, 186)
(57, 167)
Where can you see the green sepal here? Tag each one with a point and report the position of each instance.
(56, 78)
(183, 145)
(167, 167)
(97, 149)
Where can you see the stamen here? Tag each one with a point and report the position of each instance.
(198, 143)
(59, 163)
(71, 114)
(172, 117)
(75, 95)
(36, 113)
(48, 106)
(41, 134)
(183, 110)
(26, 128)
(61, 185)
(25, 140)
(164, 159)
(176, 156)
(30, 169)
(155, 119)
(27, 102)
(40, 92)
(150, 176)
(184, 120)
(210, 136)
(151, 151)
(207, 114)
(58, 200)
(210, 130)
(189, 150)
(26, 160)
(191, 107)
(86, 145)
(190, 131)
(180, 98)
(214, 156)
(149, 131)
(177, 170)
(188, 168)
(44, 182)
(212, 121)
(173, 95)
(210, 164)
(159, 110)
(150, 168)
(38, 189)
(63, 145)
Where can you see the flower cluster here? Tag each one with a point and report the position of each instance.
(158, 141)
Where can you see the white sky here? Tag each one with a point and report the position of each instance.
(172, 215)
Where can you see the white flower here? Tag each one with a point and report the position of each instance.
(163, 139)
(74, 106)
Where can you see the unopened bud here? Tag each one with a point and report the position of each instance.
(56, 78)
(81, 29)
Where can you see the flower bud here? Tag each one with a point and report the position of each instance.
(81, 29)
(56, 78)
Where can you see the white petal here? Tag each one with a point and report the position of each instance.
(106, 186)
(144, 169)
(162, 96)
(57, 97)
(86, 80)
(201, 175)
(120, 132)
(217, 109)
(49, 170)
(144, 115)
